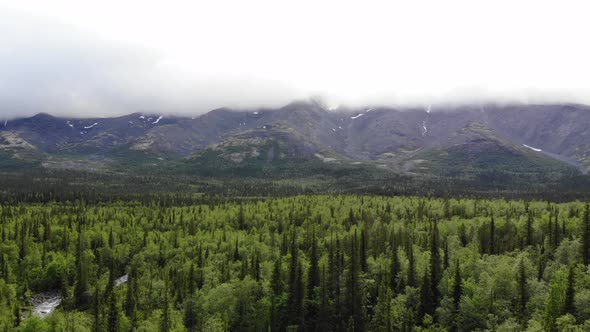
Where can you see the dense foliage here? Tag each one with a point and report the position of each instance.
(42, 185)
(313, 263)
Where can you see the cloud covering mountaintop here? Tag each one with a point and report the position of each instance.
(67, 57)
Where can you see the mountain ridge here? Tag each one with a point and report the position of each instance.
(398, 139)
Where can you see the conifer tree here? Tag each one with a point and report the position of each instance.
(296, 291)
(492, 250)
(427, 298)
(586, 236)
(96, 310)
(411, 267)
(457, 293)
(570, 291)
(446, 255)
(190, 314)
(81, 297)
(241, 219)
(529, 229)
(313, 281)
(435, 264)
(355, 298)
(523, 294)
(165, 319)
(394, 270)
(113, 314)
(277, 291)
(191, 280)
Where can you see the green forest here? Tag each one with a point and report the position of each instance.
(300, 263)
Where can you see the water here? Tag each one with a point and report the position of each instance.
(45, 303)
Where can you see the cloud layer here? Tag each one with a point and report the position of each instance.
(105, 58)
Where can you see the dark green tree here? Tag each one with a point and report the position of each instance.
(355, 297)
(522, 297)
(363, 252)
(313, 282)
(191, 314)
(96, 310)
(586, 236)
(411, 266)
(394, 270)
(570, 292)
(529, 229)
(296, 288)
(165, 319)
(427, 298)
(492, 250)
(457, 293)
(81, 296)
(435, 263)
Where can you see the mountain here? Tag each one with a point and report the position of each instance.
(472, 141)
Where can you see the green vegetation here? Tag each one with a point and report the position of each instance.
(358, 263)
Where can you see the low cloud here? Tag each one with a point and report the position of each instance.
(191, 57)
(55, 68)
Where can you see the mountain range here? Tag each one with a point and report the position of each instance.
(439, 140)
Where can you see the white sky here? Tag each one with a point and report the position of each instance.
(196, 55)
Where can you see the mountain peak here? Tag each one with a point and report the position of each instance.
(43, 115)
(388, 137)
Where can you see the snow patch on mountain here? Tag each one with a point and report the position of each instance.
(530, 147)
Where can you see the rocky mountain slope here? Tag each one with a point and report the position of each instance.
(436, 139)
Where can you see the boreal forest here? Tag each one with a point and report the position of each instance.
(299, 263)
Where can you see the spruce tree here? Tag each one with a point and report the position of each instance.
(529, 229)
(411, 266)
(446, 255)
(570, 291)
(277, 291)
(394, 270)
(191, 280)
(355, 298)
(435, 264)
(131, 296)
(296, 291)
(313, 281)
(241, 219)
(586, 236)
(113, 314)
(190, 314)
(96, 310)
(363, 252)
(81, 297)
(492, 250)
(165, 319)
(523, 294)
(427, 298)
(457, 293)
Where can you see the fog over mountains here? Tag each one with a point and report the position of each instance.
(109, 58)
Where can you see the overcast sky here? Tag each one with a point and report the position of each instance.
(113, 57)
